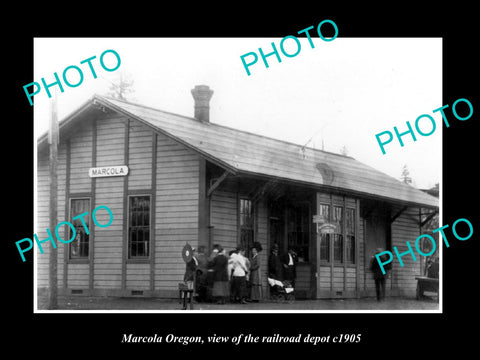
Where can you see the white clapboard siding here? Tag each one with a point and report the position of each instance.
(78, 276)
(138, 276)
(350, 278)
(140, 157)
(43, 198)
(109, 192)
(43, 214)
(176, 210)
(405, 228)
(338, 278)
(224, 219)
(81, 147)
(324, 277)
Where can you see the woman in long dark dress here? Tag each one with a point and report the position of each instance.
(255, 271)
(220, 278)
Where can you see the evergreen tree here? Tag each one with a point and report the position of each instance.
(122, 87)
(405, 177)
(344, 150)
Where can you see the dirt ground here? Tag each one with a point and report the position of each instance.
(149, 304)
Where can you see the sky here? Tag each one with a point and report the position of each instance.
(340, 93)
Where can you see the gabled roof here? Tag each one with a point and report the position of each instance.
(242, 152)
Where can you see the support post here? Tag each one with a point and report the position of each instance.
(53, 165)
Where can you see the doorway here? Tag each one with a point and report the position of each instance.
(377, 235)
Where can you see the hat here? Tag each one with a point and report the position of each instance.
(257, 245)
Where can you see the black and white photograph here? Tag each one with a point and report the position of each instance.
(237, 192)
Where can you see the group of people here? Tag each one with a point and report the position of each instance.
(220, 277)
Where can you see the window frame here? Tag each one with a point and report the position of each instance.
(324, 237)
(246, 227)
(338, 236)
(79, 259)
(330, 238)
(351, 249)
(299, 215)
(129, 256)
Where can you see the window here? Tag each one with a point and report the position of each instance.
(139, 227)
(246, 225)
(79, 248)
(338, 234)
(298, 230)
(350, 236)
(324, 212)
(339, 245)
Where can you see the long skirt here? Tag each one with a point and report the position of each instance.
(239, 285)
(220, 288)
(256, 292)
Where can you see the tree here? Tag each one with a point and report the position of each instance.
(405, 177)
(122, 87)
(344, 150)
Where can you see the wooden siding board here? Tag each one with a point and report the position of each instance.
(405, 228)
(43, 206)
(176, 210)
(224, 218)
(109, 192)
(81, 147)
(43, 196)
(139, 157)
(138, 276)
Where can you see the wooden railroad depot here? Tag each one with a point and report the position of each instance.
(171, 179)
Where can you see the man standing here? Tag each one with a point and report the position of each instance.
(289, 261)
(274, 264)
(378, 275)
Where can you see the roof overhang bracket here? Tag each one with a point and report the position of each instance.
(217, 183)
(428, 218)
(402, 210)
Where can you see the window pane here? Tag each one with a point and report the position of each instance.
(325, 247)
(350, 221)
(338, 218)
(338, 235)
(350, 236)
(350, 249)
(246, 220)
(324, 212)
(298, 230)
(139, 227)
(246, 240)
(246, 213)
(338, 247)
(80, 246)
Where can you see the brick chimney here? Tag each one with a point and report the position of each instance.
(202, 95)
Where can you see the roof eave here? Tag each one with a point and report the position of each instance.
(360, 194)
